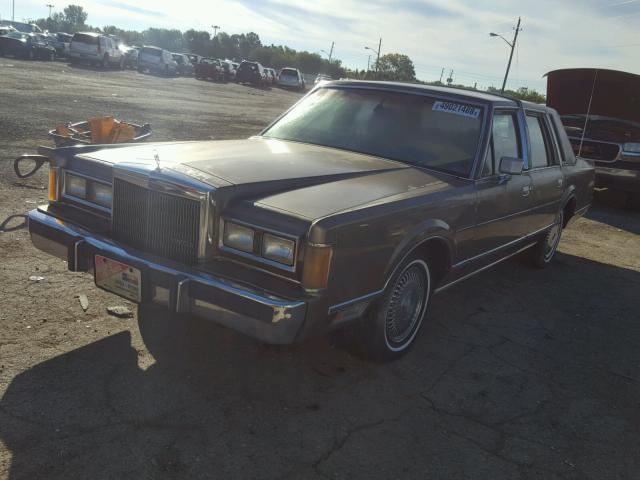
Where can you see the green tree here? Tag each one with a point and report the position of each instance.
(75, 15)
(396, 66)
(197, 41)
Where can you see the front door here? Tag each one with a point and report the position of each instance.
(503, 202)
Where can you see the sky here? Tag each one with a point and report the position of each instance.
(436, 34)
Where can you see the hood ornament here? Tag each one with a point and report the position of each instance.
(156, 157)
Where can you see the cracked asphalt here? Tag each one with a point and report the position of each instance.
(519, 373)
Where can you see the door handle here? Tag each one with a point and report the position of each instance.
(526, 190)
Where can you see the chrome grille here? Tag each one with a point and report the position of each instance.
(156, 222)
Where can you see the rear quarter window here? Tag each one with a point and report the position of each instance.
(84, 38)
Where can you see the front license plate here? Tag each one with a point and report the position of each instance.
(118, 278)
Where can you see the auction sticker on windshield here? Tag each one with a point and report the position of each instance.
(457, 109)
(118, 278)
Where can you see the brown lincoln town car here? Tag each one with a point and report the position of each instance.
(354, 207)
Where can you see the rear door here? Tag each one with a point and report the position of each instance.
(545, 172)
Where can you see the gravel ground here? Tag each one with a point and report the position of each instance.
(519, 373)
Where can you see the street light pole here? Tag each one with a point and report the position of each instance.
(48, 5)
(377, 52)
(13, 11)
(215, 30)
(513, 46)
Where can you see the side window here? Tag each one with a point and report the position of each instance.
(541, 155)
(505, 142)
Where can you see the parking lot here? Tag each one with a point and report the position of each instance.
(519, 373)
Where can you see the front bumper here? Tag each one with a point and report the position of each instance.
(184, 290)
(618, 179)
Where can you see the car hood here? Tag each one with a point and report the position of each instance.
(262, 164)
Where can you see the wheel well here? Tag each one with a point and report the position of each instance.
(569, 210)
(436, 252)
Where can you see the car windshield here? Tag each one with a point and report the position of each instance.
(289, 72)
(415, 129)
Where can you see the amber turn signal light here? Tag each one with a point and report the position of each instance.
(317, 263)
(53, 185)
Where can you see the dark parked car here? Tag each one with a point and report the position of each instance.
(251, 72)
(610, 133)
(26, 45)
(185, 68)
(209, 68)
(61, 42)
(354, 207)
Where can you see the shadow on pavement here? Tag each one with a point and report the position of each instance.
(519, 373)
(11, 225)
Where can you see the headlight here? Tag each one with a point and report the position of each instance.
(76, 186)
(100, 194)
(238, 237)
(631, 147)
(278, 249)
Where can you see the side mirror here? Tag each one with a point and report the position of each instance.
(26, 165)
(511, 166)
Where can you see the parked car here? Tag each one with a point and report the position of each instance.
(251, 72)
(600, 110)
(26, 45)
(4, 29)
(230, 69)
(193, 58)
(95, 49)
(185, 68)
(272, 76)
(130, 55)
(291, 78)
(156, 60)
(61, 42)
(321, 78)
(354, 207)
(209, 68)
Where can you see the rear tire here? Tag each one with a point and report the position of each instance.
(392, 323)
(542, 253)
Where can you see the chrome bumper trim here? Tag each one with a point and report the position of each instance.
(252, 312)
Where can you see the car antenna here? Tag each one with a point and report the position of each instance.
(586, 120)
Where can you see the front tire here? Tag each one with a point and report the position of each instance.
(542, 253)
(391, 325)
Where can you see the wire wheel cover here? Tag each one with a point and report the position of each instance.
(553, 238)
(406, 305)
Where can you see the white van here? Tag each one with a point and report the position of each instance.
(95, 49)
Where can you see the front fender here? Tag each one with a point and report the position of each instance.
(416, 237)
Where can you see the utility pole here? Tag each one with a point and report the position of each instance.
(215, 30)
(331, 51)
(368, 62)
(441, 74)
(450, 79)
(513, 46)
(50, 7)
(378, 59)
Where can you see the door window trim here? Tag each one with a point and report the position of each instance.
(548, 139)
(514, 112)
